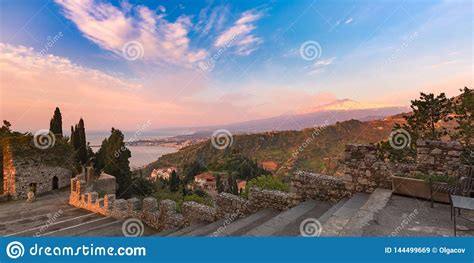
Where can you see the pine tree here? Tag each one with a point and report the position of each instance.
(464, 109)
(56, 123)
(113, 158)
(428, 111)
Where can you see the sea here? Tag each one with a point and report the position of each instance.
(141, 155)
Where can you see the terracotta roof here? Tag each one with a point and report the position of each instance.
(205, 176)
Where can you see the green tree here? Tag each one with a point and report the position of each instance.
(219, 184)
(79, 142)
(56, 123)
(233, 188)
(113, 158)
(174, 181)
(428, 111)
(463, 109)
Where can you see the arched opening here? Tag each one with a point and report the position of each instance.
(33, 187)
(55, 183)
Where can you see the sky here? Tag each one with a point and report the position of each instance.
(170, 63)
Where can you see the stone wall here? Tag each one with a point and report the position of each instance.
(163, 215)
(438, 156)
(105, 183)
(320, 186)
(197, 213)
(364, 170)
(262, 198)
(9, 172)
(20, 174)
(229, 204)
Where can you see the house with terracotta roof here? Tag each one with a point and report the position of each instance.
(205, 181)
(241, 185)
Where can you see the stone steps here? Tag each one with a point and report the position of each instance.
(336, 222)
(244, 225)
(368, 212)
(207, 229)
(185, 230)
(45, 226)
(167, 232)
(79, 229)
(324, 218)
(282, 220)
(293, 229)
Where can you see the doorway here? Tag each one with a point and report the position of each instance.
(55, 183)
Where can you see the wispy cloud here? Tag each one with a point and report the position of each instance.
(211, 19)
(348, 21)
(111, 27)
(240, 34)
(320, 64)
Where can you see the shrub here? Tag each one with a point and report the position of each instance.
(268, 182)
(432, 178)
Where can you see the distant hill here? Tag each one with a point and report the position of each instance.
(327, 114)
(315, 149)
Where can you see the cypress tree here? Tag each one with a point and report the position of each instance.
(174, 181)
(56, 123)
(78, 141)
(82, 144)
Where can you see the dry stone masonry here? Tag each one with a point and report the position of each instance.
(438, 156)
(320, 186)
(20, 176)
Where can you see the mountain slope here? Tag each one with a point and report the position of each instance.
(314, 150)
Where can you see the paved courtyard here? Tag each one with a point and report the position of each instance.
(405, 216)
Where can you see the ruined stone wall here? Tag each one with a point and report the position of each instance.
(19, 174)
(197, 213)
(163, 215)
(229, 204)
(9, 172)
(364, 170)
(438, 156)
(321, 187)
(261, 198)
(367, 172)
